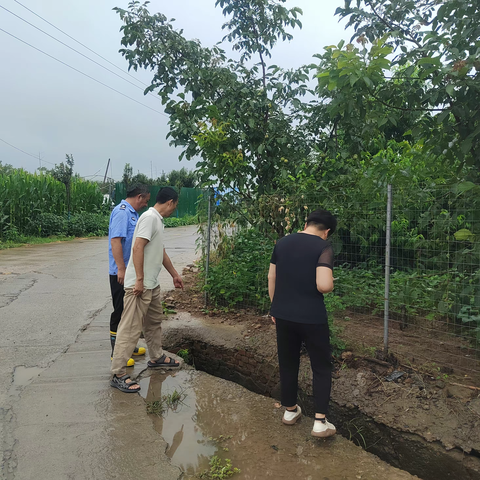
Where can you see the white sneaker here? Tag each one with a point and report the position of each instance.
(323, 430)
(289, 418)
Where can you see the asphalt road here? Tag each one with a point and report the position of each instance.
(48, 295)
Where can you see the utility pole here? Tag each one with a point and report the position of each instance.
(151, 169)
(106, 171)
(40, 161)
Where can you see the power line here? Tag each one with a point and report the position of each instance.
(80, 43)
(23, 151)
(76, 51)
(82, 73)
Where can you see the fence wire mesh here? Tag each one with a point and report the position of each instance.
(434, 287)
(187, 202)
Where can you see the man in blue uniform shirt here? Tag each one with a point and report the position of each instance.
(123, 221)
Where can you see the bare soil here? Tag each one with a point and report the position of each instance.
(426, 400)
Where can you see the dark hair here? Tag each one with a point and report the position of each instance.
(166, 194)
(138, 189)
(322, 220)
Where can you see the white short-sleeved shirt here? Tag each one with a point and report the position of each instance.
(150, 227)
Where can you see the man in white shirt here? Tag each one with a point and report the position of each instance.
(142, 303)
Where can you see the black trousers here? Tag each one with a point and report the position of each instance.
(117, 299)
(317, 341)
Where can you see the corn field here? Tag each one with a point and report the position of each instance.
(25, 196)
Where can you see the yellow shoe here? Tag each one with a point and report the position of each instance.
(130, 363)
(139, 351)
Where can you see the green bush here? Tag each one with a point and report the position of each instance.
(78, 225)
(88, 224)
(180, 222)
(238, 271)
(47, 224)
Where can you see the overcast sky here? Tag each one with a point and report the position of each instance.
(48, 109)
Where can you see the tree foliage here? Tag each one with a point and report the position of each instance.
(127, 177)
(237, 115)
(175, 178)
(420, 61)
(6, 169)
(64, 173)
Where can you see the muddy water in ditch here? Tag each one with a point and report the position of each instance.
(217, 417)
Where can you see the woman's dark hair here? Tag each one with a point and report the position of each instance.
(322, 220)
(166, 194)
(138, 189)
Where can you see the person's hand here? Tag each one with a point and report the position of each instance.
(138, 288)
(178, 282)
(273, 320)
(121, 276)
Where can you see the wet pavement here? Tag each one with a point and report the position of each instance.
(217, 417)
(48, 295)
(60, 419)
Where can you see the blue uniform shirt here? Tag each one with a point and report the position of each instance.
(123, 221)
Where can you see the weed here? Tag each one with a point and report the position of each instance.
(166, 310)
(184, 353)
(370, 351)
(218, 471)
(167, 402)
(355, 434)
(156, 407)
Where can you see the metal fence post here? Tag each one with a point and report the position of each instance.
(387, 268)
(207, 261)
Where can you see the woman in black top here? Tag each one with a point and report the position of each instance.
(301, 271)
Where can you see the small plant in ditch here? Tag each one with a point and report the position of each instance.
(167, 402)
(218, 470)
(355, 434)
(185, 355)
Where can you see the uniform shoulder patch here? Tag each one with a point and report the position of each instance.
(123, 206)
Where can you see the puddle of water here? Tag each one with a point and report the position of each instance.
(221, 418)
(189, 446)
(23, 376)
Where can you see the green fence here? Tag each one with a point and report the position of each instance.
(187, 204)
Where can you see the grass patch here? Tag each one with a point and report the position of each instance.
(167, 402)
(218, 470)
(23, 241)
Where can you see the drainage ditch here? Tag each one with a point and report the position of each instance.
(406, 451)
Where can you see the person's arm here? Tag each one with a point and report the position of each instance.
(325, 270)
(324, 279)
(138, 255)
(167, 263)
(117, 231)
(117, 252)
(272, 277)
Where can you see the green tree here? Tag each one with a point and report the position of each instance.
(141, 178)
(64, 173)
(419, 59)
(240, 116)
(6, 169)
(127, 177)
(182, 178)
